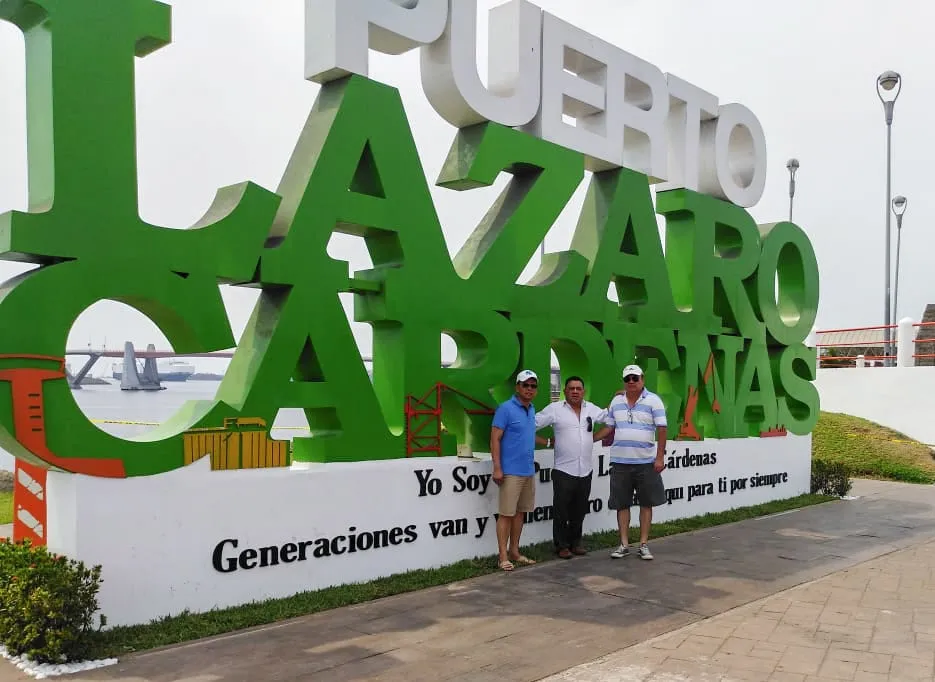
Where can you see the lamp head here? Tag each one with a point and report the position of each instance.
(899, 205)
(889, 82)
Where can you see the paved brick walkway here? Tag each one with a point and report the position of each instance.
(544, 620)
(870, 623)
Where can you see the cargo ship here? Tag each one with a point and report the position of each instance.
(173, 370)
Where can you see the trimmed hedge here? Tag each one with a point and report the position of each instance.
(47, 604)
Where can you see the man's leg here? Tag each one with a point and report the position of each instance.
(508, 495)
(562, 501)
(516, 532)
(623, 525)
(579, 509)
(525, 503)
(652, 493)
(621, 498)
(646, 521)
(504, 524)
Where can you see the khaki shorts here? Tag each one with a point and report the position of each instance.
(517, 494)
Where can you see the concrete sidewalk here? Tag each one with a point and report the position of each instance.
(869, 623)
(546, 619)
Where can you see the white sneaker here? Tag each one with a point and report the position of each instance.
(620, 552)
(645, 553)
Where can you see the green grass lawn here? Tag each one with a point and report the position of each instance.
(871, 450)
(6, 508)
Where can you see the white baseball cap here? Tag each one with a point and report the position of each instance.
(526, 374)
(632, 369)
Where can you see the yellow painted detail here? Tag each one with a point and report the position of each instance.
(242, 443)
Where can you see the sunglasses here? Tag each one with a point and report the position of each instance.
(590, 425)
(528, 385)
(631, 379)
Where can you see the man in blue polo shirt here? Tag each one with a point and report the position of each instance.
(512, 448)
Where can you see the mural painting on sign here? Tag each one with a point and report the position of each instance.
(722, 344)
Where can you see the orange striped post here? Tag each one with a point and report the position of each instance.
(30, 517)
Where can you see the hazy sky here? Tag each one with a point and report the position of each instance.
(225, 102)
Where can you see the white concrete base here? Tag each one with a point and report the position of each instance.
(899, 398)
(167, 543)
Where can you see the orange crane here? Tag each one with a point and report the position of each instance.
(424, 419)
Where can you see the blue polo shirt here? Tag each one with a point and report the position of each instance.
(518, 444)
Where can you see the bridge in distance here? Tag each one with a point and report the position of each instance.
(132, 378)
(149, 379)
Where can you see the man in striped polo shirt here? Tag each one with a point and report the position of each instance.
(638, 421)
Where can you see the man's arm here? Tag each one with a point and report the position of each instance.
(545, 419)
(603, 433)
(495, 435)
(660, 463)
(659, 418)
(600, 416)
(606, 417)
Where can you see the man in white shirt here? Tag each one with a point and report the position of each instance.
(574, 421)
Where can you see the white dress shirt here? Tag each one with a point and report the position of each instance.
(574, 444)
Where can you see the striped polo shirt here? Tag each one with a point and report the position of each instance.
(635, 428)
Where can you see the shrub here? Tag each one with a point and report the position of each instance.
(47, 603)
(831, 478)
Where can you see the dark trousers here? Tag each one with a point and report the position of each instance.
(569, 506)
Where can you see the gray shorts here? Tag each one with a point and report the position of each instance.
(635, 485)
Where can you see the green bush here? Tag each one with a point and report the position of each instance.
(831, 478)
(47, 603)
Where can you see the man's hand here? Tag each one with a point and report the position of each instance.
(498, 476)
(601, 434)
(659, 464)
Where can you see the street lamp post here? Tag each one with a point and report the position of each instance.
(792, 165)
(899, 208)
(889, 83)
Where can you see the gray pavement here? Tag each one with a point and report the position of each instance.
(546, 619)
(874, 622)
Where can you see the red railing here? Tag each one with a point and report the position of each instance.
(918, 340)
(872, 339)
(928, 340)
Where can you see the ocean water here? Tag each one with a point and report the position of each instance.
(110, 409)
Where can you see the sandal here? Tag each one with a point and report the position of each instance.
(506, 566)
(525, 560)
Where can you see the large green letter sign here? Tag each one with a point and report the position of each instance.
(722, 347)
